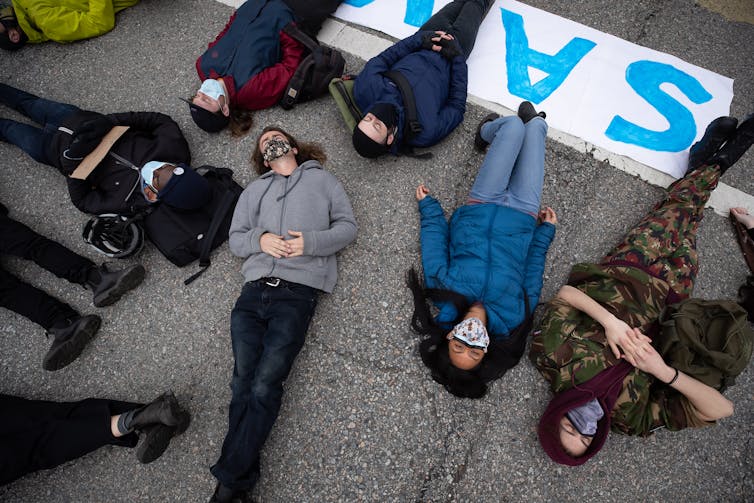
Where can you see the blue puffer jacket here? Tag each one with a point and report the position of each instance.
(439, 88)
(487, 253)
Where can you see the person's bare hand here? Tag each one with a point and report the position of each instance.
(296, 245)
(421, 192)
(622, 339)
(743, 216)
(274, 245)
(646, 357)
(548, 215)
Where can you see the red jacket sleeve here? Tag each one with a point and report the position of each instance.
(267, 87)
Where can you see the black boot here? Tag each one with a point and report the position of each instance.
(109, 286)
(526, 112)
(164, 409)
(480, 143)
(156, 438)
(736, 146)
(224, 494)
(70, 340)
(718, 131)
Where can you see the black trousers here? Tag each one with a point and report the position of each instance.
(36, 434)
(19, 240)
(460, 18)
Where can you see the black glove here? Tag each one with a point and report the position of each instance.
(87, 136)
(427, 42)
(450, 49)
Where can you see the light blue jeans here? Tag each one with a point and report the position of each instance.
(513, 170)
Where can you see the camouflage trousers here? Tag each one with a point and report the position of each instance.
(664, 241)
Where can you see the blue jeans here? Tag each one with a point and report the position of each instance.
(513, 170)
(267, 328)
(31, 139)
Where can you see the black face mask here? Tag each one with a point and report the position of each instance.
(386, 113)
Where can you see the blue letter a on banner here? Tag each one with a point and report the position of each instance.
(519, 57)
(645, 78)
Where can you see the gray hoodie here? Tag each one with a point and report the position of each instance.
(310, 200)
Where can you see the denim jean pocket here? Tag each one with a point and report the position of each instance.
(302, 292)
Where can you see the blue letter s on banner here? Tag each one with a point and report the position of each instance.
(645, 78)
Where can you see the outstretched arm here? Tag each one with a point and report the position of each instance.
(434, 237)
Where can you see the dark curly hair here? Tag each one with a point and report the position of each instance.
(433, 349)
(306, 151)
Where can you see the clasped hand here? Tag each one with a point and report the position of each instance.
(279, 247)
(634, 347)
(441, 42)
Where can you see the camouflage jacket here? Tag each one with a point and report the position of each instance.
(571, 347)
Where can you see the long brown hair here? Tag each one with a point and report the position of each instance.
(240, 121)
(306, 151)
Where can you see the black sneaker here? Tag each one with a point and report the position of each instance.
(109, 286)
(718, 131)
(526, 112)
(480, 143)
(736, 146)
(70, 341)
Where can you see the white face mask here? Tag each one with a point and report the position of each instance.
(472, 332)
(212, 88)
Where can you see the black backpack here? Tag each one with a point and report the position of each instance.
(313, 75)
(185, 236)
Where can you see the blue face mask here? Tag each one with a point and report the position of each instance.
(147, 175)
(584, 417)
(212, 88)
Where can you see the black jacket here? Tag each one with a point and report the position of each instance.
(114, 187)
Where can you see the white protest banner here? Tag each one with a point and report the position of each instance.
(626, 98)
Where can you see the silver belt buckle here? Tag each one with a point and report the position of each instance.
(272, 282)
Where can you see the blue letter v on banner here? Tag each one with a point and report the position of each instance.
(519, 57)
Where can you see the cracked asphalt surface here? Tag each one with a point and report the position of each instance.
(361, 419)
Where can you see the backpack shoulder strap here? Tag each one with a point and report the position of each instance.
(293, 31)
(217, 219)
(412, 126)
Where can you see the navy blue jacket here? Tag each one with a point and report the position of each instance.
(439, 88)
(488, 253)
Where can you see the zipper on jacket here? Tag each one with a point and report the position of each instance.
(280, 222)
(125, 162)
(489, 256)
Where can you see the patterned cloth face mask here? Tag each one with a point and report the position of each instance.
(275, 149)
(472, 332)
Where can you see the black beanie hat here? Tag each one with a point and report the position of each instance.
(206, 120)
(367, 147)
(186, 189)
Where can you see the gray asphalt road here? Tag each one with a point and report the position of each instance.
(361, 419)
